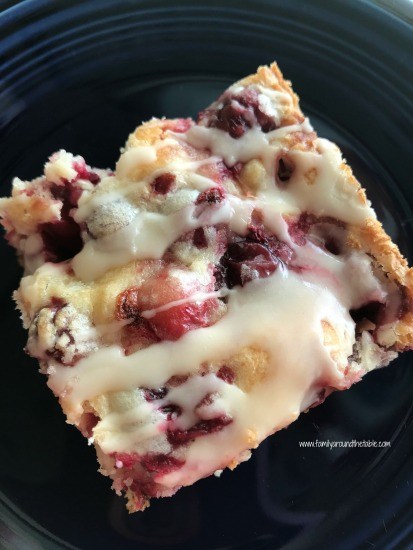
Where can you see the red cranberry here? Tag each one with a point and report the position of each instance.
(81, 169)
(94, 178)
(199, 239)
(238, 113)
(87, 422)
(59, 354)
(178, 320)
(179, 125)
(128, 459)
(169, 324)
(162, 290)
(219, 276)
(171, 411)
(299, 228)
(137, 334)
(56, 304)
(154, 394)
(255, 256)
(61, 239)
(232, 119)
(128, 303)
(68, 193)
(284, 171)
(177, 380)
(214, 195)
(245, 261)
(163, 183)
(206, 401)
(161, 464)
(204, 427)
(84, 173)
(226, 374)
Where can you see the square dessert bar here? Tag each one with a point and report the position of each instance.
(229, 274)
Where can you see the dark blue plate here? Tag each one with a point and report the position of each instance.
(80, 75)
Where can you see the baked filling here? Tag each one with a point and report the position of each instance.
(229, 274)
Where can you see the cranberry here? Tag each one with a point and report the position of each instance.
(178, 320)
(87, 422)
(177, 380)
(81, 169)
(175, 321)
(154, 394)
(232, 119)
(245, 261)
(238, 112)
(94, 178)
(128, 459)
(207, 400)
(249, 98)
(59, 354)
(84, 173)
(199, 238)
(214, 195)
(284, 170)
(128, 303)
(137, 334)
(163, 183)
(68, 193)
(255, 256)
(219, 276)
(61, 239)
(204, 427)
(298, 228)
(161, 464)
(226, 374)
(171, 411)
(179, 125)
(56, 304)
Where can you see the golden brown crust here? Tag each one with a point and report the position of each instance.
(301, 141)
(371, 238)
(271, 77)
(27, 211)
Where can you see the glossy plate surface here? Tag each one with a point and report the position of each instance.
(80, 76)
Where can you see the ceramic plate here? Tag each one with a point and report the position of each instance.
(80, 75)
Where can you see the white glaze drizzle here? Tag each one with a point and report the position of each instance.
(281, 315)
(195, 298)
(150, 234)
